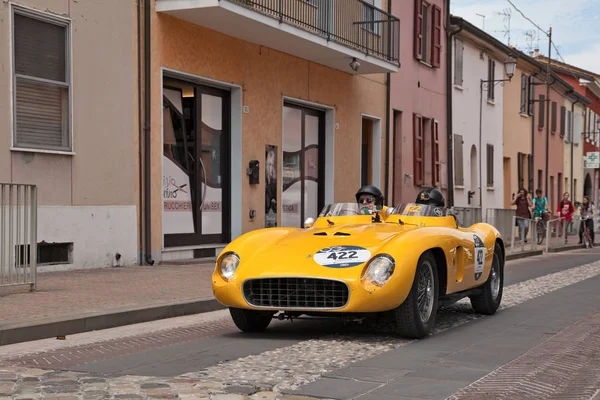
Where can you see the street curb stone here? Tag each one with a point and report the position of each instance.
(523, 254)
(86, 322)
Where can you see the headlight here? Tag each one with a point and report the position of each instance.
(380, 269)
(228, 265)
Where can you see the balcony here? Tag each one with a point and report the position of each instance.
(328, 32)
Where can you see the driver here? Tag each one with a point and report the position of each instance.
(432, 197)
(369, 197)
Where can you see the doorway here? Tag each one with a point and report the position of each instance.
(196, 172)
(303, 174)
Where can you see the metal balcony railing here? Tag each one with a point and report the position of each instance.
(355, 24)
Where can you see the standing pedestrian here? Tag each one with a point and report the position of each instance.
(523, 203)
(565, 211)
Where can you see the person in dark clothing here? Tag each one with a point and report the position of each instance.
(523, 213)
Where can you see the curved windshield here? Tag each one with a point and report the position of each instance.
(421, 210)
(345, 209)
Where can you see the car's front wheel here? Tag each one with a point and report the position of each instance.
(250, 320)
(415, 317)
(488, 301)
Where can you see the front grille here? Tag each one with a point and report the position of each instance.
(296, 293)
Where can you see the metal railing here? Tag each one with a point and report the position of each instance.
(528, 231)
(18, 235)
(353, 23)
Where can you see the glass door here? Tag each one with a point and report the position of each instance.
(195, 164)
(303, 164)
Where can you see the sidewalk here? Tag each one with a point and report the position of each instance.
(84, 300)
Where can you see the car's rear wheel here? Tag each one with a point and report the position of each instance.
(415, 317)
(488, 301)
(250, 320)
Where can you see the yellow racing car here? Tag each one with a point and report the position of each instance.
(404, 262)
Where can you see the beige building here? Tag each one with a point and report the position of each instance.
(574, 114)
(68, 124)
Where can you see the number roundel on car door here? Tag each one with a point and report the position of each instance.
(479, 250)
(342, 256)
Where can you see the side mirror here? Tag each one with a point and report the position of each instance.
(309, 222)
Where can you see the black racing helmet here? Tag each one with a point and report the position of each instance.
(371, 191)
(432, 197)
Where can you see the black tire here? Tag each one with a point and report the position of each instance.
(486, 303)
(408, 320)
(250, 320)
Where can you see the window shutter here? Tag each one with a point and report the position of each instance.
(553, 124)
(563, 120)
(418, 31)
(577, 129)
(520, 178)
(531, 96)
(490, 165)
(530, 172)
(542, 112)
(523, 108)
(436, 48)
(458, 61)
(41, 84)
(459, 178)
(418, 149)
(435, 157)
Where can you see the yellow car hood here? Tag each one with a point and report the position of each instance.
(320, 251)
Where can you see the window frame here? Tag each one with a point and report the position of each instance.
(28, 12)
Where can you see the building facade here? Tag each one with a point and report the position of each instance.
(67, 104)
(277, 118)
(418, 102)
(478, 117)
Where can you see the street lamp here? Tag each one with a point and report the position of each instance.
(510, 66)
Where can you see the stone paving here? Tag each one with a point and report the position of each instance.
(30, 384)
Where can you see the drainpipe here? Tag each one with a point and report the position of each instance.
(387, 119)
(449, 131)
(140, 125)
(147, 111)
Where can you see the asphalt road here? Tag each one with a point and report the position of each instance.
(550, 302)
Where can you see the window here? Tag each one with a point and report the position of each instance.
(419, 150)
(490, 165)
(459, 48)
(428, 33)
(553, 118)
(523, 109)
(577, 129)
(459, 177)
(530, 173)
(531, 95)
(542, 113)
(41, 81)
(563, 121)
(371, 14)
(491, 78)
(539, 185)
(435, 153)
(569, 126)
(520, 172)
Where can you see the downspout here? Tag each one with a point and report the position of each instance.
(140, 125)
(147, 111)
(449, 131)
(387, 117)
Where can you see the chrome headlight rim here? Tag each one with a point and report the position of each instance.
(367, 278)
(224, 258)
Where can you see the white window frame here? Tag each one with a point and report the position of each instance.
(56, 20)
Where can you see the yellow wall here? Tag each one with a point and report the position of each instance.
(266, 76)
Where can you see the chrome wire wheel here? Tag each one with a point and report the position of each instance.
(495, 278)
(425, 292)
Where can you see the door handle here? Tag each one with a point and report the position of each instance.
(205, 182)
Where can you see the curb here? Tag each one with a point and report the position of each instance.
(78, 323)
(565, 248)
(524, 254)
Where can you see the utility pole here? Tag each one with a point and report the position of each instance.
(548, 109)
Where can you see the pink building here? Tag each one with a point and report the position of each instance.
(418, 101)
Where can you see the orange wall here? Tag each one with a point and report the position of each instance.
(266, 76)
